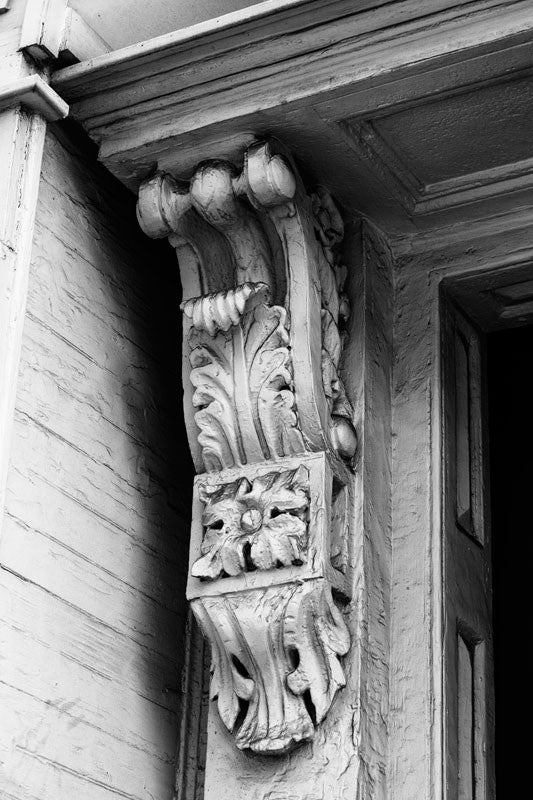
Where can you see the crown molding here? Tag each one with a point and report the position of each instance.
(184, 92)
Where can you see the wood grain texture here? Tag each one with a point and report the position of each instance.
(94, 552)
(297, 73)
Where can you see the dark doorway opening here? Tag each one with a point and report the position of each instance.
(510, 375)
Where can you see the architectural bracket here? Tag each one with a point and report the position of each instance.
(271, 433)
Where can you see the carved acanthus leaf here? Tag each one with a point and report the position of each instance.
(244, 396)
(315, 629)
(275, 656)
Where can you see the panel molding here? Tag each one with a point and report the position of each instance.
(419, 198)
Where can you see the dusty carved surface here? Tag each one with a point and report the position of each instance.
(271, 433)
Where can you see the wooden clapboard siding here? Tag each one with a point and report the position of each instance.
(94, 548)
(77, 637)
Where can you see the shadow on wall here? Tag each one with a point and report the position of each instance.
(94, 548)
(141, 345)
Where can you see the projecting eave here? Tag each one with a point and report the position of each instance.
(417, 114)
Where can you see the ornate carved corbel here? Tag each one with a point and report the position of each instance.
(270, 429)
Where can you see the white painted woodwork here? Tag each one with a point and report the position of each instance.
(42, 28)
(11, 16)
(474, 270)
(26, 101)
(469, 733)
(339, 83)
(94, 548)
(349, 748)
(388, 105)
(21, 137)
(32, 92)
(271, 426)
(79, 41)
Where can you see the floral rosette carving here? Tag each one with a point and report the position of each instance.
(249, 525)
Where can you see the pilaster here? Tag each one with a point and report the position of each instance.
(26, 104)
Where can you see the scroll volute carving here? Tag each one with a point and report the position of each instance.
(271, 433)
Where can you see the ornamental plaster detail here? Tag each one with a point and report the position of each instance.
(271, 434)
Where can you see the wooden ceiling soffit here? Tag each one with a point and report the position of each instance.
(293, 70)
(271, 432)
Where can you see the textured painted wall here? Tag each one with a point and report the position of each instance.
(94, 546)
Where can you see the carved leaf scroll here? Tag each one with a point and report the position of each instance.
(275, 666)
(329, 229)
(243, 391)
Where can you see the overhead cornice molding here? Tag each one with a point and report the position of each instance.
(182, 89)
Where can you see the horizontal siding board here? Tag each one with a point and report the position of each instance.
(147, 515)
(99, 412)
(43, 671)
(78, 637)
(159, 573)
(152, 564)
(129, 333)
(93, 558)
(83, 585)
(56, 739)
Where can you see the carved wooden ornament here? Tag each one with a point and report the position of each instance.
(271, 434)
